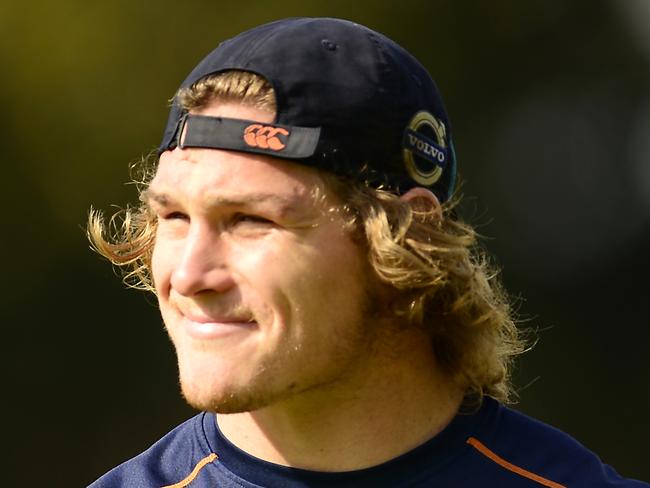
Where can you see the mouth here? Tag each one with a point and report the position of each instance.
(207, 327)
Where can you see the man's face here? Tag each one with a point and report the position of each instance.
(263, 293)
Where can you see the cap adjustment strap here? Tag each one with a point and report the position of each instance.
(277, 140)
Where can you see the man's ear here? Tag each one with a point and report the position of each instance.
(421, 196)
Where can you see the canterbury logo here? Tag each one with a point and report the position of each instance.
(265, 137)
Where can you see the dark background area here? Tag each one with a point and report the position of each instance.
(550, 105)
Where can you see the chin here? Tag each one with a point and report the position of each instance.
(233, 401)
(213, 394)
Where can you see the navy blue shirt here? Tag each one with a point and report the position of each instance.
(495, 447)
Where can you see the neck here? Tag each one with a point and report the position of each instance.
(386, 409)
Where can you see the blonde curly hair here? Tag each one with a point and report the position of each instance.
(441, 278)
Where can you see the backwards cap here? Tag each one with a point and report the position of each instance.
(349, 100)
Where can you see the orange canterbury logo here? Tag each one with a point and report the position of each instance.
(265, 137)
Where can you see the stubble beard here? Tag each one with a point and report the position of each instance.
(261, 391)
(236, 400)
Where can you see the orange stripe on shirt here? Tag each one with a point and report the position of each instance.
(480, 447)
(199, 466)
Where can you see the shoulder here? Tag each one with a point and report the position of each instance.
(515, 445)
(171, 459)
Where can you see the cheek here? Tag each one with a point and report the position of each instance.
(161, 267)
(263, 272)
(301, 278)
(156, 271)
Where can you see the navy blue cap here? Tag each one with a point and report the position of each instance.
(349, 100)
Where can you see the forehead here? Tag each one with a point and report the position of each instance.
(209, 175)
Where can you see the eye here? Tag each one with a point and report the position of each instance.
(243, 219)
(174, 216)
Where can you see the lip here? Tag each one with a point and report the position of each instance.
(208, 328)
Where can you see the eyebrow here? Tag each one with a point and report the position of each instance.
(286, 204)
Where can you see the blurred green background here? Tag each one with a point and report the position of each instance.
(550, 105)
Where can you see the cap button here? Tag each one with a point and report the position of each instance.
(329, 45)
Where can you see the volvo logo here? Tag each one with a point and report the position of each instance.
(425, 148)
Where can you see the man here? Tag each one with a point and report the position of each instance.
(332, 318)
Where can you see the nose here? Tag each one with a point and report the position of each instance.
(202, 264)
